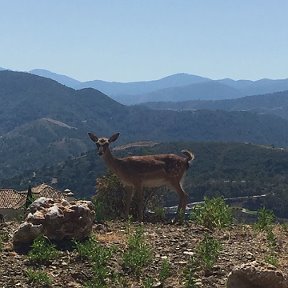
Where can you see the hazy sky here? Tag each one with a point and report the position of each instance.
(130, 40)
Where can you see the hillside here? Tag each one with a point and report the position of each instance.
(205, 91)
(227, 169)
(273, 103)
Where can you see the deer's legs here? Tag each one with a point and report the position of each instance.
(183, 197)
(127, 201)
(140, 198)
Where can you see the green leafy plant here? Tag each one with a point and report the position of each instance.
(265, 222)
(265, 219)
(138, 253)
(164, 270)
(108, 199)
(38, 277)
(159, 213)
(271, 238)
(207, 252)
(272, 259)
(148, 282)
(99, 257)
(213, 213)
(189, 273)
(43, 251)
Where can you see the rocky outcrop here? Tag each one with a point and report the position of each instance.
(256, 275)
(57, 220)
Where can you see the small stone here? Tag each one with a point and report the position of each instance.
(190, 253)
(250, 256)
(157, 285)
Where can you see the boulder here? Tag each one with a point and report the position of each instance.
(256, 275)
(57, 220)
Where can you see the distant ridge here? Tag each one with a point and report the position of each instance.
(65, 80)
(272, 103)
(177, 87)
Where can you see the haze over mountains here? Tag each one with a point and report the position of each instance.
(178, 87)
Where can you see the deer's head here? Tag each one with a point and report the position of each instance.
(103, 143)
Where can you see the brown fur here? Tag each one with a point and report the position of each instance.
(146, 171)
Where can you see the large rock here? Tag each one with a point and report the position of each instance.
(57, 220)
(256, 275)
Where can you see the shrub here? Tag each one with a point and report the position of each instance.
(272, 259)
(99, 257)
(138, 253)
(213, 213)
(108, 200)
(43, 251)
(189, 273)
(265, 219)
(164, 270)
(207, 252)
(38, 277)
(148, 282)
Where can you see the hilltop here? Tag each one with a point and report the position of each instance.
(171, 244)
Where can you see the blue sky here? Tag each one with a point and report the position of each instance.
(131, 40)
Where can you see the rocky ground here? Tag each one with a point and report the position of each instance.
(175, 244)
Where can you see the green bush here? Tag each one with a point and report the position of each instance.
(110, 203)
(189, 273)
(207, 252)
(164, 270)
(265, 219)
(138, 253)
(43, 251)
(98, 257)
(213, 213)
(148, 282)
(37, 277)
(108, 200)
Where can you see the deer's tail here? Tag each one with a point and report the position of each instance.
(189, 156)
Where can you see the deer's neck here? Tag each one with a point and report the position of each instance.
(110, 160)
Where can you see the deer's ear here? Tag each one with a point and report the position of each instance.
(114, 137)
(93, 137)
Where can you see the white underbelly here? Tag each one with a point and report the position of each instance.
(154, 182)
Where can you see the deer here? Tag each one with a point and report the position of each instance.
(137, 172)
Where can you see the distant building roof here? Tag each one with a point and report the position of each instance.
(11, 199)
(44, 190)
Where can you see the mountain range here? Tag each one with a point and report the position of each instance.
(272, 103)
(43, 123)
(178, 87)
